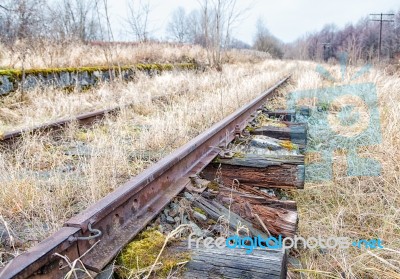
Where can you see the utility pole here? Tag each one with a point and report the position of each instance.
(327, 51)
(381, 20)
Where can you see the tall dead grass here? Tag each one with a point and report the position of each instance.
(355, 207)
(56, 55)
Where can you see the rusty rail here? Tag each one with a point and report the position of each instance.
(86, 118)
(122, 214)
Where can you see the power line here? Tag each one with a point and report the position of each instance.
(1, 6)
(381, 20)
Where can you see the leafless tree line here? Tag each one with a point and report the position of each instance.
(266, 42)
(138, 19)
(360, 41)
(88, 20)
(210, 26)
(54, 20)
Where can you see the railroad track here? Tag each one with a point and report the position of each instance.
(97, 235)
(83, 119)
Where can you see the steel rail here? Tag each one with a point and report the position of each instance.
(86, 118)
(122, 214)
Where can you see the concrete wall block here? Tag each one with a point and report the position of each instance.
(31, 81)
(6, 85)
(65, 79)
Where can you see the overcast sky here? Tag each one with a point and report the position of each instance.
(286, 19)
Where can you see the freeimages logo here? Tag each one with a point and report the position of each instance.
(342, 117)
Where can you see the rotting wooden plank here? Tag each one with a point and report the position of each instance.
(262, 161)
(256, 195)
(215, 211)
(295, 133)
(279, 221)
(286, 115)
(251, 193)
(258, 172)
(261, 197)
(235, 263)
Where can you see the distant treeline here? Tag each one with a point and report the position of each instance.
(210, 25)
(360, 41)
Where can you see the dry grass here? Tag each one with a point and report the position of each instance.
(356, 207)
(52, 55)
(46, 180)
(43, 104)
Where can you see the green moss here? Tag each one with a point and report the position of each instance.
(82, 136)
(238, 155)
(262, 117)
(213, 186)
(69, 89)
(288, 145)
(263, 120)
(142, 252)
(216, 160)
(168, 67)
(90, 134)
(211, 222)
(187, 66)
(17, 73)
(324, 106)
(199, 210)
(250, 129)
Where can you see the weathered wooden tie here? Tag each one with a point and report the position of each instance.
(296, 133)
(217, 211)
(235, 263)
(286, 115)
(260, 171)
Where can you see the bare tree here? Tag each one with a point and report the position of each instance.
(238, 44)
(138, 15)
(194, 25)
(74, 19)
(266, 42)
(178, 26)
(21, 19)
(218, 17)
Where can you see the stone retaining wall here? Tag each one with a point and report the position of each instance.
(70, 78)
